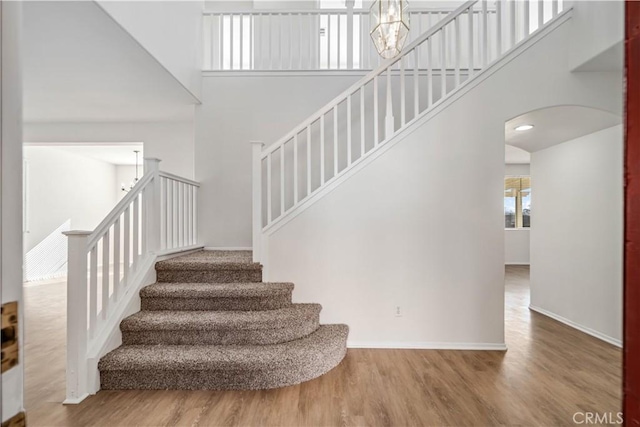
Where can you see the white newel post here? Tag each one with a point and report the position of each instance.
(151, 200)
(256, 188)
(77, 324)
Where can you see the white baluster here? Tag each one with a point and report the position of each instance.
(241, 41)
(470, 53)
(77, 339)
(403, 115)
(375, 111)
(416, 82)
(429, 72)
(105, 275)
(349, 4)
(322, 155)
(151, 196)
(308, 160)
(269, 212)
(526, 5)
(458, 48)
(554, 8)
(231, 67)
(443, 63)
(512, 24)
(335, 141)
(389, 121)
(93, 290)
(136, 232)
(498, 28)
(362, 122)
(540, 13)
(127, 244)
(485, 34)
(349, 147)
(116, 259)
(282, 179)
(295, 169)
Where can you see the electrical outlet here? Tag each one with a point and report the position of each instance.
(398, 311)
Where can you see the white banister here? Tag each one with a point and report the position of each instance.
(273, 33)
(256, 188)
(454, 51)
(107, 266)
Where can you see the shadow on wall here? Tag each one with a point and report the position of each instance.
(48, 259)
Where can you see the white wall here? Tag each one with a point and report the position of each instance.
(393, 235)
(172, 142)
(11, 191)
(598, 26)
(63, 186)
(516, 246)
(577, 236)
(516, 240)
(171, 31)
(236, 110)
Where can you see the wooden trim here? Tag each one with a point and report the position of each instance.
(631, 355)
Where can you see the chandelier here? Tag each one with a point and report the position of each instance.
(123, 187)
(390, 26)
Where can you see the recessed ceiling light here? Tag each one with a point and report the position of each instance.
(524, 127)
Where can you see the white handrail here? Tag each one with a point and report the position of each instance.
(366, 79)
(430, 69)
(105, 267)
(300, 39)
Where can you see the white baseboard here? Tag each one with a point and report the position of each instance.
(227, 248)
(517, 263)
(428, 345)
(586, 330)
(75, 401)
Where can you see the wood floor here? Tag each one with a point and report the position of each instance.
(549, 373)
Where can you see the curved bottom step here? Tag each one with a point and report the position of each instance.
(251, 367)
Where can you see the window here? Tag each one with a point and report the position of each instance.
(517, 202)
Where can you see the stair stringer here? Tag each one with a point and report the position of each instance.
(362, 251)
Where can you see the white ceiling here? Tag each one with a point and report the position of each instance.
(80, 65)
(515, 155)
(116, 153)
(555, 125)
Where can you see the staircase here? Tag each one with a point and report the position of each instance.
(211, 323)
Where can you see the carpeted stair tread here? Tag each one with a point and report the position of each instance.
(215, 290)
(216, 320)
(308, 350)
(210, 260)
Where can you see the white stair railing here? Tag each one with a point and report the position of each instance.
(156, 217)
(350, 128)
(308, 39)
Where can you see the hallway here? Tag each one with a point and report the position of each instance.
(549, 373)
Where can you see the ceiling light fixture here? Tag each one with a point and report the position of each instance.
(523, 127)
(136, 179)
(390, 26)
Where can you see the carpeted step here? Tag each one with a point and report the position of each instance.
(216, 296)
(210, 267)
(221, 327)
(224, 367)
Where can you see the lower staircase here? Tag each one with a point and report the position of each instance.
(211, 323)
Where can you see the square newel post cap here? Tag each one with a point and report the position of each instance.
(259, 143)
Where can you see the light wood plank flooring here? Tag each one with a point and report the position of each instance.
(549, 372)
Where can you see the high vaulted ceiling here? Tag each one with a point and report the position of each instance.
(80, 65)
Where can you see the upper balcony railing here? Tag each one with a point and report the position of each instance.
(324, 39)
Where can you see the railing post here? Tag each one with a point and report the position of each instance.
(77, 302)
(350, 4)
(256, 185)
(151, 205)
